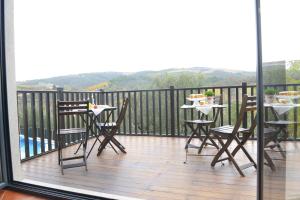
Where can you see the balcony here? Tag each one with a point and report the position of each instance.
(154, 135)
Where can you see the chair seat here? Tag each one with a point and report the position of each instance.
(71, 131)
(107, 125)
(281, 123)
(270, 132)
(199, 121)
(226, 130)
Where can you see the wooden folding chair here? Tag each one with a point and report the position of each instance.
(109, 130)
(270, 135)
(67, 108)
(230, 134)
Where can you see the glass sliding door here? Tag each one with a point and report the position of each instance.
(281, 76)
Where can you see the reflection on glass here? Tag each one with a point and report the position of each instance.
(281, 129)
(282, 92)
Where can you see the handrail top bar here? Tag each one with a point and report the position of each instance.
(154, 90)
(37, 91)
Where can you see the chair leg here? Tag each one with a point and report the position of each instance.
(203, 144)
(84, 156)
(221, 151)
(117, 143)
(78, 148)
(113, 148)
(58, 150)
(241, 146)
(92, 148)
(269, 161)
(282, 152)
(103, 144)
(194, 133)
(61, 156)
(231, 158)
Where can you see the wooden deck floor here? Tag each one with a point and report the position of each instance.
(153, 168)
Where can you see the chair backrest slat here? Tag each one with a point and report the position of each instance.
(218, 100)
(248, 105)
(72, 107)
(122, 113)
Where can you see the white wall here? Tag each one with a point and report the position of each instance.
(11, 89)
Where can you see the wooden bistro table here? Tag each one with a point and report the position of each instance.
(94, 117)
(196, 132)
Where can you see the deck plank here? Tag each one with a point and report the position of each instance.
(153, 168)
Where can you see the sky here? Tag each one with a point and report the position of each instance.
(60, 37)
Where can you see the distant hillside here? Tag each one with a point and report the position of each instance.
(78, 81)
(143, 79)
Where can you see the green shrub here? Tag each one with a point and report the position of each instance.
(209, 93)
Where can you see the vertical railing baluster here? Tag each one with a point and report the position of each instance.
(41, 115)
(192, 110)
(237, 106)
(118, 109)
(244, 91)
(178, 113)
(153, 112)
(129, 113)
(141, 112)
(229, 105)
(199, 113)
(222, 112)
(159, 111)
(33, 121)
(135, 112)
(25, 122)
(82, 99)
(73, 120)
(295, 117)
(77, 98)
(124, 120)
(54, 116)
(113, 104)
(172, 111)
(252, 113)
(49, 135)
(184, 112)
(68, 137)
(167, 112)
(147, 112)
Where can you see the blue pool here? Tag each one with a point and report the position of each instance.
(22, 146)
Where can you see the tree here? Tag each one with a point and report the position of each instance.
(293, 72)
(178, 80)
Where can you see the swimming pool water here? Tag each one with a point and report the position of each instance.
(22, 146)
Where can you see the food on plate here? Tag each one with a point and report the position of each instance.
(289, 93)
(283, 101)
(196, 96)
(95, 106)
(202, 103)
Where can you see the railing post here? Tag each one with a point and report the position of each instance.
(60, 97)
(172, 109)
(101, 100)
(244, 91)
(60, 91)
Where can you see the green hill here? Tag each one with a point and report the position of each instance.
(190, 77)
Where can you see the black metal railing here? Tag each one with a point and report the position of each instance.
(150, 112)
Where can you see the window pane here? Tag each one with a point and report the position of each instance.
(282, 91)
